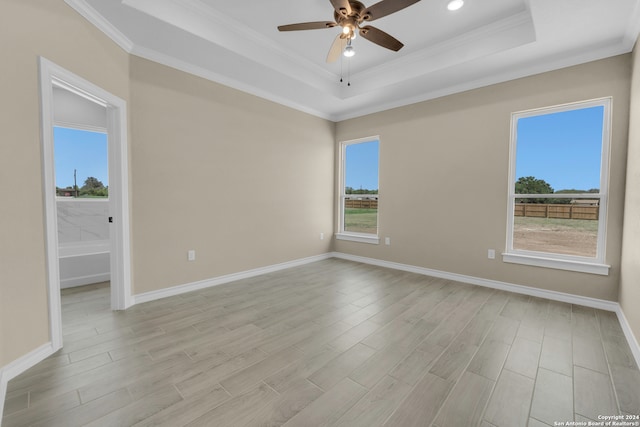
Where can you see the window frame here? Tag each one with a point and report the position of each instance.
(353, 236)
(593, 265)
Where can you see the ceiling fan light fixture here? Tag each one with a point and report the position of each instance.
(349, 51)
(455, 4)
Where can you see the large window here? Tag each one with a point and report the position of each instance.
(358, 212)
(558, 186)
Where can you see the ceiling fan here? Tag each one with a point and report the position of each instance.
(350, 14)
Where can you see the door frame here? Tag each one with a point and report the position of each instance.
(52, 75)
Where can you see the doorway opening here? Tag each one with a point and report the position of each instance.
(84, 243)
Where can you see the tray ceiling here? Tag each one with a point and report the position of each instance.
(487, 41)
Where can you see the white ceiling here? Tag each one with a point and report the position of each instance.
(236, 43)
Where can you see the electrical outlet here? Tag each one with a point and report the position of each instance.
(491, 254)
(191, 255)
(387, 241)
(321, 236)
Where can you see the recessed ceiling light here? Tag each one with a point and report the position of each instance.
(455, 4)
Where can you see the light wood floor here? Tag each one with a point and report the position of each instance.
(330, 343)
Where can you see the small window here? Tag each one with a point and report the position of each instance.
(558, 187)
(359, 198)
(81, 163)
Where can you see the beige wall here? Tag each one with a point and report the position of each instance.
(630, 280)
(443, 176)
(244, 182)
(29, 28)
(248, 183)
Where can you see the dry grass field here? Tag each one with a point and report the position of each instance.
(563, 236)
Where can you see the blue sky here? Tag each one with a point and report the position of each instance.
(362, 165)
(81, 150)
(562, 148)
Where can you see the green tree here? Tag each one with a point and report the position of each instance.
(93, 187)
(532, 185)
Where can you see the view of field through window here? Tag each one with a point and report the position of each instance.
(81, 163)
(361, 187)
(558, 168)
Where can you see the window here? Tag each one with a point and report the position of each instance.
(558, 184)
(81, 163)
(358, 211)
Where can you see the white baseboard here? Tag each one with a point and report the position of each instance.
(27, 361)
(628, 333)
(20, 365)
(84, 280)
(203, 284)
(510, 287)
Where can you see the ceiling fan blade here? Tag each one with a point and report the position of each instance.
(342, 7)
(381, 38)
(385, 7)
(307, 26)
(336, 49)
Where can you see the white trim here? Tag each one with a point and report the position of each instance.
(52, 75)
(84, 280)
(360, 238)
(102, 24)
(79, 126)
(628, 333)
(20, 365)
(596, 264)
(488, 283)
(84, 248)
(203, 284)
(557, 263)
(341, 234)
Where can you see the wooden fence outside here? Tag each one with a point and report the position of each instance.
(360, 204)
(556, 211)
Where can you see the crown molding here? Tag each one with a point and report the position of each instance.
(91, 15)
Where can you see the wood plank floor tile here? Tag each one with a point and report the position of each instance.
(83, 414)
(140, 409)
(489, 359)
(589, 353)
(504, 329)
(552, 397)
(246, 378)
(422, 404)
(626, 382)
(187, 410)
(327, 409)
(277, 412)
(524, 357)
(377, 405)
(302, 368)
(205, 380)
(341, 366)
(465, 405)
(557, 355)
(237, 410)
(331, 342)
(618, 352)
(511, 400)
(42, 410)
(593, 393)
(413, 367)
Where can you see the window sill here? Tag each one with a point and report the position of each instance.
(560, 264)
(360, 238)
